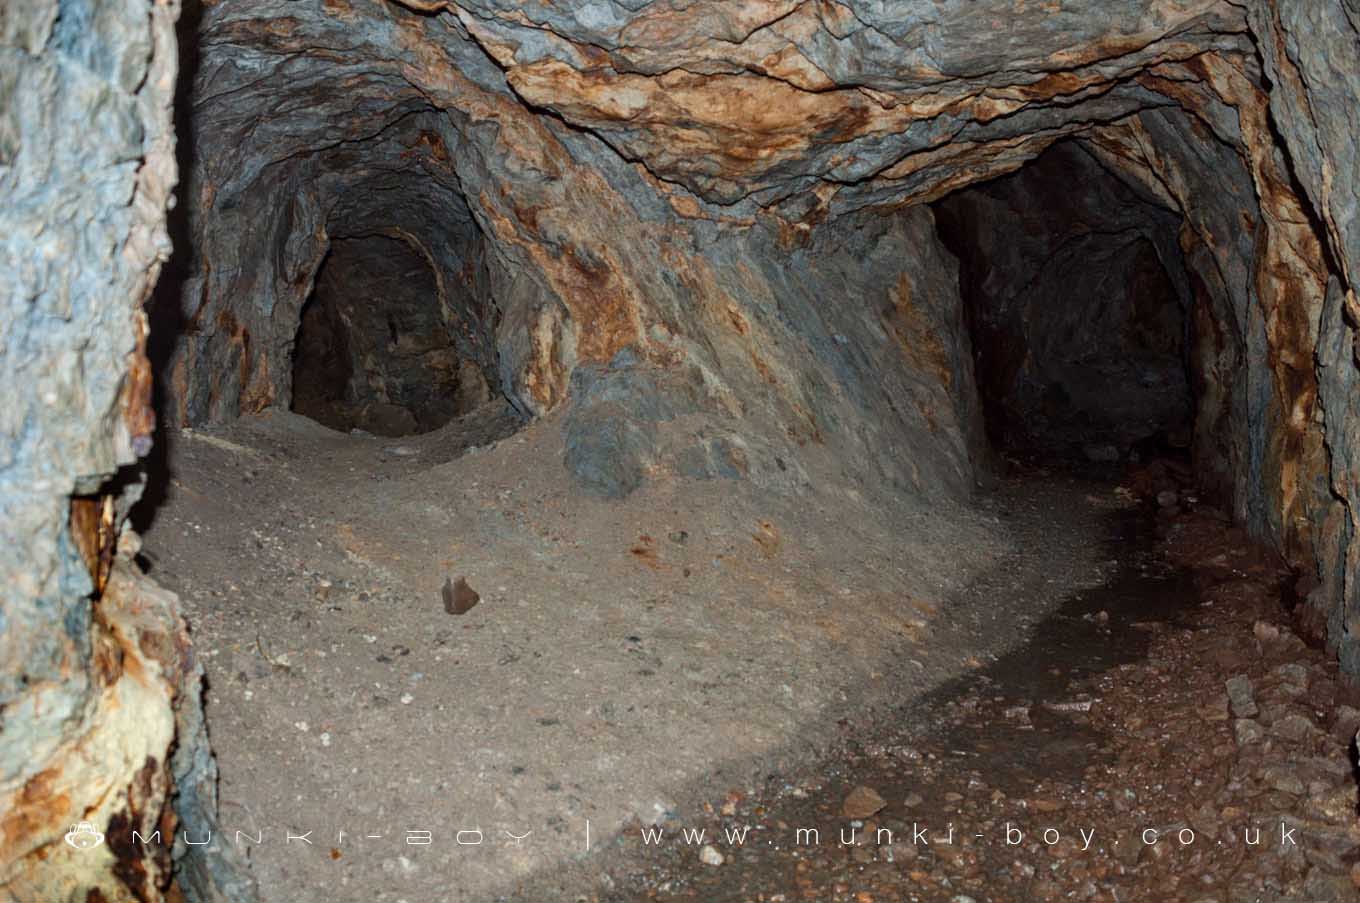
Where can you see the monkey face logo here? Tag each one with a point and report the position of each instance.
(84, 836)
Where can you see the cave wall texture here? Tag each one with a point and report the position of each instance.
(633, 212)
(98, 676)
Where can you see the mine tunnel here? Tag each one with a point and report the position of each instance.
(1078, 305)
(586, 451)
(373, 350)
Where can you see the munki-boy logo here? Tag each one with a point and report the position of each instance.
(84, 836)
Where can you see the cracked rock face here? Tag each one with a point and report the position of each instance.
(711, 213)
(98, 678)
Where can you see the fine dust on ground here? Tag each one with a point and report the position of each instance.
(625, 662)
(1165, 736)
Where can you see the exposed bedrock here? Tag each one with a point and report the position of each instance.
(651, 181)
(701, 230)
(100, 713)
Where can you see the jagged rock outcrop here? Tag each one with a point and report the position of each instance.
(1305, 47)
(648, 212)
(98, 679)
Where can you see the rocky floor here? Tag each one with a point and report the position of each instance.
(623, 660)
(1165, 736)
(710, 657)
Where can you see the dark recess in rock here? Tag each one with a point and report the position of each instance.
(373, 351)
(1079, 326)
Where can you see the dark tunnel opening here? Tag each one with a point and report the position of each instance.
(373, 351)
(1077, 302)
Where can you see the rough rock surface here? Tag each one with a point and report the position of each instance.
(726, 194)
(86, 690)
(1313, 100)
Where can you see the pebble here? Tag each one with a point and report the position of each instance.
(1284, 779)
(1345, 723)
(709, 855)
(862, 803)
(1241, 696)
(1293, 727)
(1293, 674)
(1247, 731)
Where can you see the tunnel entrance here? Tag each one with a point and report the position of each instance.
(1076, 297)
(373, 351)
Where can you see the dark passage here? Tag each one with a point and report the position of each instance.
(1075, 293)
(373, 351)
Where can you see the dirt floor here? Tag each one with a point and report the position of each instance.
(707, 655)
(1165, 736)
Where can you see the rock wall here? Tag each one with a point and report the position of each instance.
(566, 256)
(98, 678)
(617, 170)
(675, 210)
(1314, 94)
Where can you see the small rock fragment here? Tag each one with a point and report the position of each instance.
(1247, 731)
(1294, 674)
(1101, 453)
(1266, 633)
(1345, 723)
(1293, 727)
(1241, 696)
(1128, 853)
(862, 803)
(459, 598)
(1167, 498)
(709, 855)
(1074, 705)
(1284, 779)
